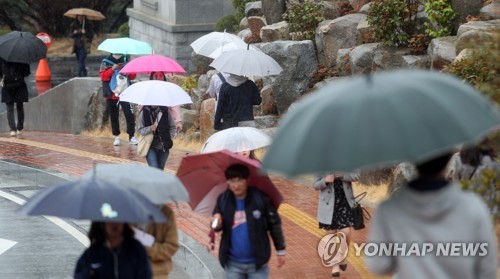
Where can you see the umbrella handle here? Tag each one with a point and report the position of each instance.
(83, 25)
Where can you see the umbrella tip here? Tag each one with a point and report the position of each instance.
(94, 163)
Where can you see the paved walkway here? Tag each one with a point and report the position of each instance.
(74, 155)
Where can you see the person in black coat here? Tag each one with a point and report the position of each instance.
(246, 218)
(114, 253)
(14, 91)
(82, 33)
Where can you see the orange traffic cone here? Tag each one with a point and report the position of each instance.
(43, 71)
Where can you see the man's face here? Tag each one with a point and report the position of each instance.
(238, 186)
(113, 230)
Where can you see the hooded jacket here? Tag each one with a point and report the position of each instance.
(436, 217)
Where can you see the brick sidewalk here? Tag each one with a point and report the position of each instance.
(74, 155)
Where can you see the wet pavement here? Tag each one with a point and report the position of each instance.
(72, 155)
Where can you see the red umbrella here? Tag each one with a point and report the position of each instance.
(203, 176)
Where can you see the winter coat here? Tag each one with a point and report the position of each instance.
(446, 216)
(238, 101)
(162, 136)
(165, 245)
(81, 40)
(14, 89)
(326, 203)
(98, 261)
(262, 218)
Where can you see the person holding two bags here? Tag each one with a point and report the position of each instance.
(154, 123)
(336, 201)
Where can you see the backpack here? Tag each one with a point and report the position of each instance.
(118, 82)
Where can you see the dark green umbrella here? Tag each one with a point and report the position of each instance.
(21, 47)
(377, 119)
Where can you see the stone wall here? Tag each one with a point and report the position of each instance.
(170, 26)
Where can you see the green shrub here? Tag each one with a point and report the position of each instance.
(393, 21)
(229, 23)
(304, 18)
(123, 30)
(441, 15)
(190, 83)
(481, 68)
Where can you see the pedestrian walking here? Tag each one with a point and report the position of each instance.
(246, 217)
(113, 253)
(107, 72)
(155, 120)
(174, 112)
(166, 244)
(82, 33)
(216, 82)
(14, 92)
(432, 211)
(237, 97)
(335, 204)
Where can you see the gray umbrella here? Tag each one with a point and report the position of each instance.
(21, 47)
(379, 119)
(158, 186)
(94, 200)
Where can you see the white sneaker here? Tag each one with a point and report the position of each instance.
(133, 141)
(19, 133)
(117, 141)
(12, 133)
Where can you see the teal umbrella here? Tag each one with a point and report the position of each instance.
(379, 119)
(125, 46)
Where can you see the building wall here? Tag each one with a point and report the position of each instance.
(170, 26)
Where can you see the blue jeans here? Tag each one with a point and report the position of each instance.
(157, 158)
(236, 270)
(81, 55)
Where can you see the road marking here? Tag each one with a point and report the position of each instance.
(5, 245)
(78, 235)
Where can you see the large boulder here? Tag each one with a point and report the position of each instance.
(275, 32)
(376, 56)
(201, 63)
(253, 9)
(475, 33)
(491, 11)
(207, 115)
(442, 52)
(273, 10)
(190, 120)
(255, 23)
(417, 61)
(332, 35)
(464, 9)
(298, 60)
(266, 121)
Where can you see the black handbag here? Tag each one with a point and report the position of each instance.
(359, 213)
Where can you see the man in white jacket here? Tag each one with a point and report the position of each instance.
(433, 215)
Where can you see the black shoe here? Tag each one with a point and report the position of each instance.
(343, 267)
(336, 274)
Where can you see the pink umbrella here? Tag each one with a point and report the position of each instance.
(152, 63)
(203, 177)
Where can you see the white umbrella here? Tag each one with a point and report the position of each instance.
(229, 46)
(155, 93)
(246, 63)
(236, 139)
(209, 43)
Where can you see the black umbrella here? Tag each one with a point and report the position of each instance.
(21, 47)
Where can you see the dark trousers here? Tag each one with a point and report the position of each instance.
(114, 114)
(81, 55)
(20, 116)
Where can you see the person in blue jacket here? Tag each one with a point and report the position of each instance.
(114, 253)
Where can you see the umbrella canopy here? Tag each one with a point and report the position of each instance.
(379, 119)
(152, 63)
(203, 176)
(89, 13)
(94, 200)
(21, 47)
(156, 185)
(125, 46)
(230, 46)
(246, 63)
(155, 93)
(209, 43)
(236, 139)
